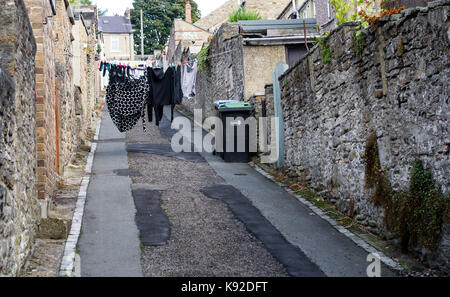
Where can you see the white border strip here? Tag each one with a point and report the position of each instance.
(356, 239)
(68, 260)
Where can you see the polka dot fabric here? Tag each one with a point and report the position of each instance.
(126, 102)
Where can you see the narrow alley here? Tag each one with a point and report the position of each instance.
(197, 231)
(227, 146)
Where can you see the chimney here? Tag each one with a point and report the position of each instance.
(127, 13)
(188, 12)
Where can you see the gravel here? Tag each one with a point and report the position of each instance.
(206, 239)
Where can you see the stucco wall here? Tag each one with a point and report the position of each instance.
(259, 64)
(126, 47)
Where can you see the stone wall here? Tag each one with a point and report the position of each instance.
(224, 77)
(19, 207)
(397, 89)
(43, 30)
(68, 138)
(235, 70)
(85, 76)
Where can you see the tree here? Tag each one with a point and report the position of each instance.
(102, 12)
(80, 2)
(158, 18)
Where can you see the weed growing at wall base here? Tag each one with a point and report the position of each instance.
(415, 215)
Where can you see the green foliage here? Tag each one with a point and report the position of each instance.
(242, 14)
(359, 41)
(158, 18)
(203, 58)
(325, 51)
(342, 9)
(99, 48)
(419, 212)
(102, 12)
(415, 215)
(80, 2)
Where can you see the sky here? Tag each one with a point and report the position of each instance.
(119, 6)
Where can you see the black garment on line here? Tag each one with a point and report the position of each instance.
(161, 90)
(177, 91)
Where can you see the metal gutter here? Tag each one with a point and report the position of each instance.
(281, 40)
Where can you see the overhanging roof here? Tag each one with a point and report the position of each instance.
(281, 40)
(261, 26)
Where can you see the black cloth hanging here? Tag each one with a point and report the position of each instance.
(178, 92)
(162, 90)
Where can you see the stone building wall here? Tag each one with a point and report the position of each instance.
(91, 79)
(68, 138)
(269, 10)
(19, 206)
(85, 76)
(43, 29)
(398, 90)
(236, 70)
(183, 32)
(224, 77)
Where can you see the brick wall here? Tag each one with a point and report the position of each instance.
(19, 207)
(43, 29)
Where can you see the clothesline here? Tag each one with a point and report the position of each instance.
(129, 98)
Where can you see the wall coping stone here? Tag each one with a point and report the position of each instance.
(397, 18)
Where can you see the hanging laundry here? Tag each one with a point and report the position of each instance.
(162, 90)
(126, 97)
(189, 78)
(177, 90)
(126, 103)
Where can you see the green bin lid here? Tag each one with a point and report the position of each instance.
(236, 105)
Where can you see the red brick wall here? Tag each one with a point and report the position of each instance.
(38, 11)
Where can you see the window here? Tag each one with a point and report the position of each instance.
(115, 44)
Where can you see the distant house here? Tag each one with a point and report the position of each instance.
(118, 37)
(320, 10)
(185, 34)
(269, 10)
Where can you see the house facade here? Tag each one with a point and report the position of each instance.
(117, 36)
(321, 10)
(267, 9)
(185, 34)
